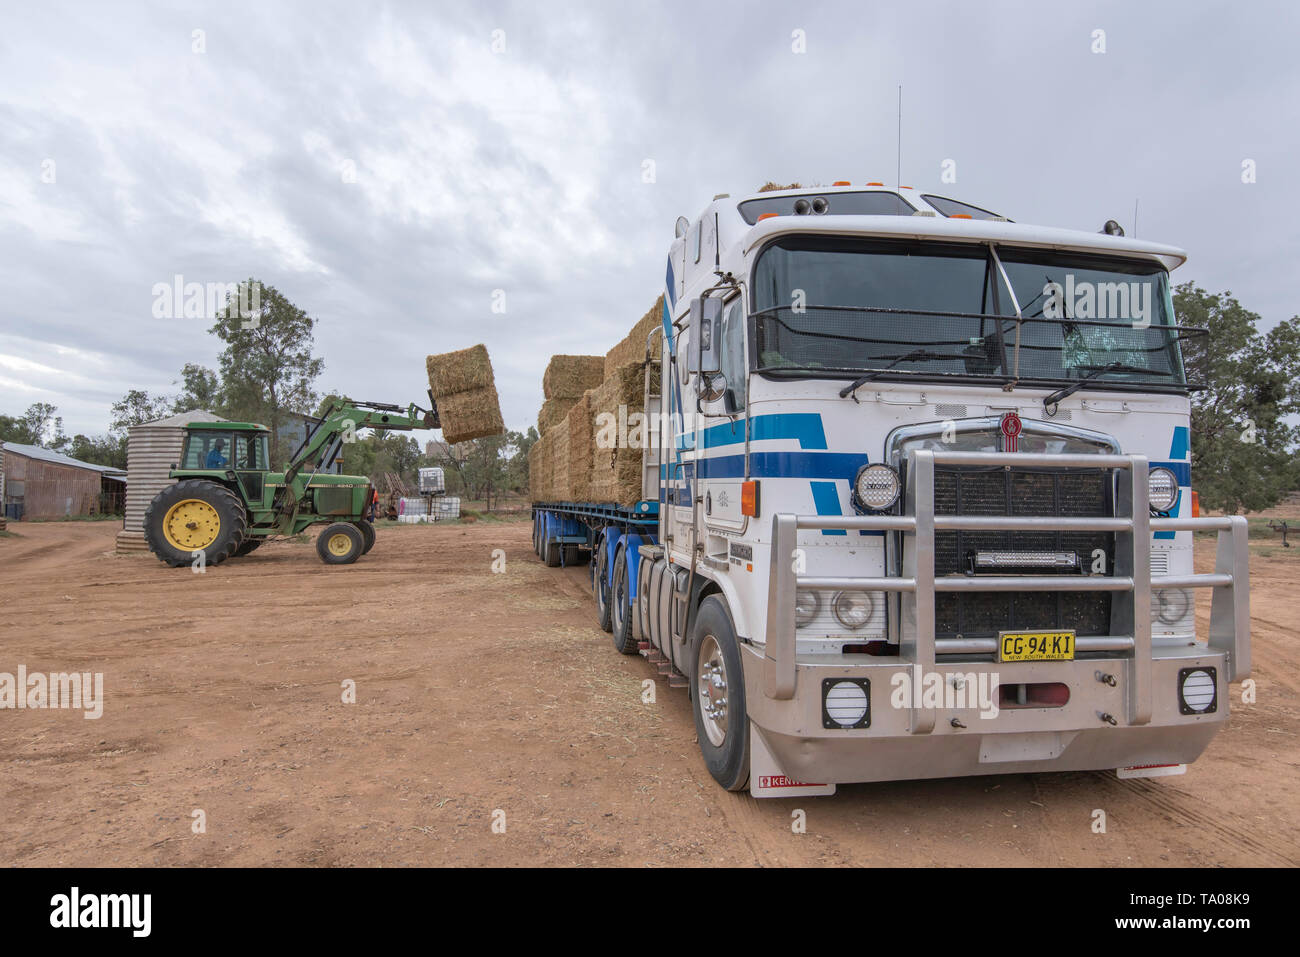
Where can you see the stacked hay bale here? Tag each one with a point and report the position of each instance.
(616, 472)
(632, 348)
(567, 463)
(565, 381)
(466, 393)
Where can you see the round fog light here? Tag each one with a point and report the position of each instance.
(1162, 489)
(806, 606)
(876, 486)
(852, 608)
(1173, 606)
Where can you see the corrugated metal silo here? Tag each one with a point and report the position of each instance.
(151, 450)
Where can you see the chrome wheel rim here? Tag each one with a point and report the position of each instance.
(711, 690)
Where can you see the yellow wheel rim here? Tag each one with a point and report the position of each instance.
(339, 544)
(191, 525)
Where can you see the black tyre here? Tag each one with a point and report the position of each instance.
(249, 545)
(537, 549)
(367, 535)
(340, 544)
(620, 611)
(192, 516)
(600, 588)
(718, 695)
(551, 553)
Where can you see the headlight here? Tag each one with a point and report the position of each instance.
(876, 486)
(852, 608)
(1173, 604)
(806, 606)
(1162, 489)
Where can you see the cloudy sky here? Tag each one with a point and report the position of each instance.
(388, 166)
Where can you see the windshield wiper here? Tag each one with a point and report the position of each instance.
(1054, 398)
(916, 355)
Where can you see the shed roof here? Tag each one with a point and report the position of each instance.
(49, 455)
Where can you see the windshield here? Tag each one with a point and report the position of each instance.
(842, 306)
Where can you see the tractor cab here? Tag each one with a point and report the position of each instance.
(222, 446)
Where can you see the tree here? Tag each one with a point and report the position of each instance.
(136, 408)
(99, 450)
(39, 425)
(200, 389)
(1243, 448)
(267, 368)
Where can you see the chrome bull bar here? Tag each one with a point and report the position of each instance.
(1132, 580)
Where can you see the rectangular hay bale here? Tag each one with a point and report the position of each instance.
(473, 414)
(632, 347)
(552, 413)
(581, 445)
(567, 377)
(460, 371)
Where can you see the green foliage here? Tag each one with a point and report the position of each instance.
(484, 468)
(39, 425)
(200, 389)
(267, 368)
(136, 408)
(1243, 446)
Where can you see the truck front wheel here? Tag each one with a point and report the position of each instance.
(718, 695)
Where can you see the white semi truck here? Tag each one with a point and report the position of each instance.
(916, 499)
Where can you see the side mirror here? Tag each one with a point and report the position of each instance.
(706, 337)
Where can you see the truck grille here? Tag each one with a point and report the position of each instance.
(1002, 491)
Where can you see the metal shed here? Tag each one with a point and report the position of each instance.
(43, 484)
(151, 450)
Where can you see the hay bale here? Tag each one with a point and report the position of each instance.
(632, 347)
(474, 414)
(461, 371)
(539, 470)
(567, 377)
(552, 413)
(561, 489)
(616, 472)
(582, 442)
(466, 394)
(771, 187)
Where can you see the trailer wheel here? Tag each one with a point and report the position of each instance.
(601, 588)
(551, 553)
(718, 695)
(620, 611)
(537, 535)
(340, 544)
(367, 535)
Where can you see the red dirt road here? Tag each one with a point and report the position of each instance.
(479, 692)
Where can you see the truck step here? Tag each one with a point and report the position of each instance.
(678, 680)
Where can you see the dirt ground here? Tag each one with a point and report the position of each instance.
(481, 691)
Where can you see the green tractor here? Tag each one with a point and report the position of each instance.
(226, 501)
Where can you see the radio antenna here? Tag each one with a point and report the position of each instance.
(898, 169)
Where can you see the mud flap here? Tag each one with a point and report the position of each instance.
(766, 779)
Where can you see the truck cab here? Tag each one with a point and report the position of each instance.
(924, 503)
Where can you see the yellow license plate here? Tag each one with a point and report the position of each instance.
(1036, 646)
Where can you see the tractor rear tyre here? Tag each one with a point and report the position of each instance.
(340, 544)
(195, 516)
(368, 534)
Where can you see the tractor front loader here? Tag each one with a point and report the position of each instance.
(226, 500)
